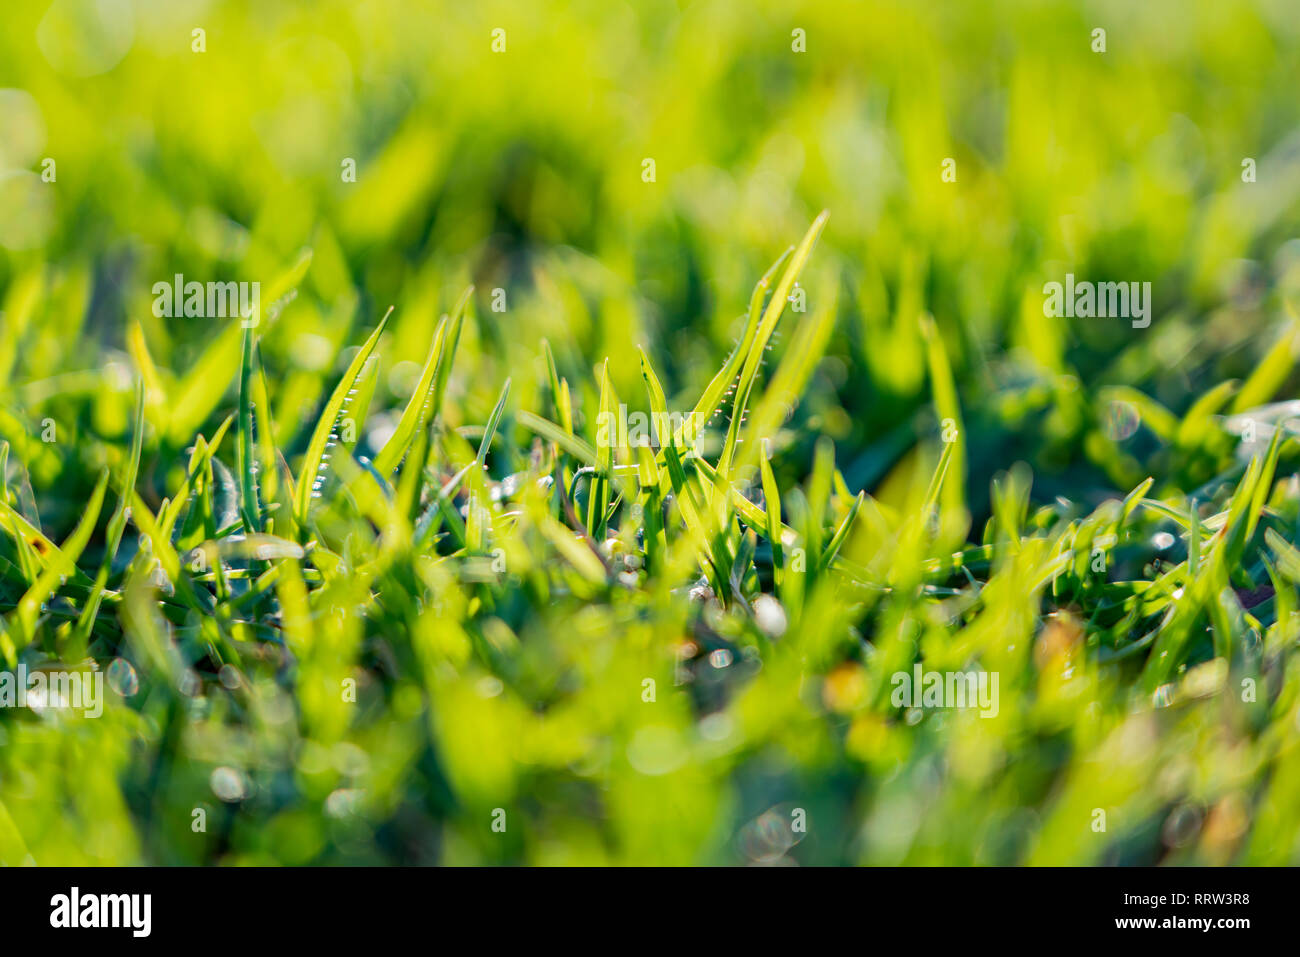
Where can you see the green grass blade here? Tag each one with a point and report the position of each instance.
(749, 371)
(245, 453)
(493, 421)
(309, 475)
(575, 445)
(423, 405)
(63, 566)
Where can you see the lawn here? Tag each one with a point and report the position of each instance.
(660, 433)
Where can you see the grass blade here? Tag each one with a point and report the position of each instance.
(309, 475)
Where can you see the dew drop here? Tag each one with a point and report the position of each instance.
(122, 677)
(228, 784)
(1122, 420)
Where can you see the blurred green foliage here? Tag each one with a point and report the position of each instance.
(523, 690)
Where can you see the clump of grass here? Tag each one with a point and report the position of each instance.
(633, 650)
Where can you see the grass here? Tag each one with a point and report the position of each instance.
(415, 641)
(368, 585)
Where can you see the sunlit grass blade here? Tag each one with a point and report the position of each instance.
(948, 410)
(762, 335)
(63, 564)
(842, 533)
(490, 430)
(116, 525)
(423, 404)
(245, 453)
(725, 378)
(598, 493)
(575, 445)
(309, 474)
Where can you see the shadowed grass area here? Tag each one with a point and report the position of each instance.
(405, 585)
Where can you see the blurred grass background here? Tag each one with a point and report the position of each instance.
(522, 170)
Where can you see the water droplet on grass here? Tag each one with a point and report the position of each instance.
(1122, 420)
(228, 784)
(122, 677)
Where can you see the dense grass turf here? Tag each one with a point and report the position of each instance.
(375, 586)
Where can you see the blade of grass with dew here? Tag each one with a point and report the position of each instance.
(749, 371)
(716, 390)
(1224, 552)
(309, 475)
(790, 381)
